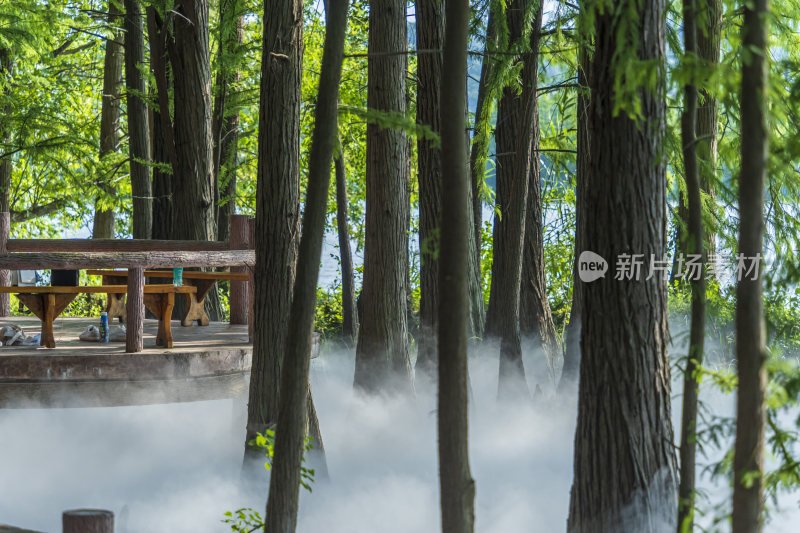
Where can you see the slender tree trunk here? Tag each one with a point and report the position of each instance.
(514, 138)
(455, 480)
(478, 154)
(751, 352)
(6, 168)
(480, 142)
(535, 318)
(277, 204)
(103, 227)
(193, 181)
(282, 504)
(430, 36)
(349, 315)
(624, 390)
(137, 122)
(688, 444)
(161, 133)
(382, 350)
(225, 124)
(572, 334)
(708, 50)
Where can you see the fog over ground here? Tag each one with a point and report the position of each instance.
(176, 468)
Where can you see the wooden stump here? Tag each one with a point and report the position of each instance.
(240, 240)
(87, 521)
(251, 285)
(135, 311)
(5, 275)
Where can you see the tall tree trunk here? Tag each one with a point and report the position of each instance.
(349, 315)
(572, 334)
(624, 390)
(225, 124)
(161, 132)
(514, 138)
(382, 350)
(535, 318)
(277, 204)
(193, 180)
(138, 131)
(282, 504)
(708, 50)
(193, 208)
(480, 141)
(751, 352)
(103, 226)
(6, 168)
(478, 154)
(430, 36)
(688, 443)
(455, 480)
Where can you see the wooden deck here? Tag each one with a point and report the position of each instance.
(206, 362)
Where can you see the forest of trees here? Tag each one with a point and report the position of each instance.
(638, 161)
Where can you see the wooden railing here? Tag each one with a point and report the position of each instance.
(136, 255)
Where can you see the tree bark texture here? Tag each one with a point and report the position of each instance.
(103, 226)
(480, 145)
(349, 315)
(382, 350)
(624, 390)
(277, 204)
(514, 138)
(694, 360)
(455, 479)
(162, 134)
(535, 318)
(138, 130)
(193, 179)
(708, 50)
(572, 334)
(751, 352)
(284, 489)
(6, 168)
(430, 36)
(6, 75)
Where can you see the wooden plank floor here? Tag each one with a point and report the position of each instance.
(217, 335)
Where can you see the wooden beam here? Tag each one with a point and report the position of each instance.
(108, 289)
(188, 274)
(75, 261)
(114, 245)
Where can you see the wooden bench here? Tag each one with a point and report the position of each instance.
(195, 301)
(48, 302)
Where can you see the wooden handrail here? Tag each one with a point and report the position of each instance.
(113, 245)
(164, 259)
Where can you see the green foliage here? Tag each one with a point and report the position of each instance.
(247, 520)
(328, 317)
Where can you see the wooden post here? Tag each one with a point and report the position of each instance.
(87, 521)
(5, 275)
(251, 286)
(240, 240)
(135, 311)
